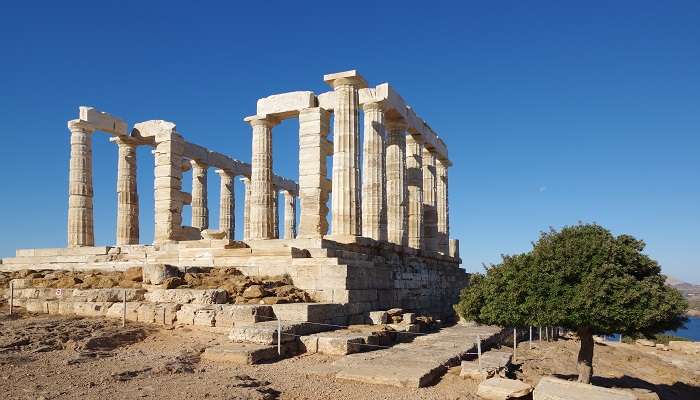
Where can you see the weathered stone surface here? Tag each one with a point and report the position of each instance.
(254, 292)
(685, 347)
(91, 309)
(286, 104)
(111, 295)
(240, 353)
(155, 274)
(378, 317)
(550, 388)
(502, 389)
(230, 315)
(645, 342)
(492, 363)
(186, 296)
(205, 317)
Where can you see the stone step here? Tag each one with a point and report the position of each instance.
(246, 353)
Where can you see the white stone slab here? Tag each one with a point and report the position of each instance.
(286, 105)
(103, 121)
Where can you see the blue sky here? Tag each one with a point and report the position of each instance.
(553, 112)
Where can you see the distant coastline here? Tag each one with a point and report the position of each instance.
(693, 313)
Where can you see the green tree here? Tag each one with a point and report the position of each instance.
(582, 278)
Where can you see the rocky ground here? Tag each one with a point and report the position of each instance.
(54, 357)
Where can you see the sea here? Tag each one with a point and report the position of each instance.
(690, 331)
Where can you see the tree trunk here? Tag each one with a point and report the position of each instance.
(585, 355)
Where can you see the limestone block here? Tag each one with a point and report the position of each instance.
(52, 307)
(36, 306)
(309, 344)
(285, 105)
(645, 342)
(91, 309)
(261, 333)
(65, 308)
(327, 100)
(155, 274)
(196, 152)
(103, 121)
(502, 389)
(230, 315)
(116, 311)
(186, 296)
(551, 388)
(409, 318)
(111, 295)
(187, 312)
(378, 317)
(205, 317)
(21, 283)
(242, 353)
(339, 345)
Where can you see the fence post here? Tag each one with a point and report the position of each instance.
(478, 350)
(530, 337)
(279, 337)
(124, 311)
(515, 341)
(12, 295)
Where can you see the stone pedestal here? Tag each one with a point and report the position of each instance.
(314, 187)
(127, 193)
(414, 177)
(443, 211)
(200, 209)
(262, 201)
(374, 223)
(246, 208)
(290, 215)
(227, 204)
(396, 190)
(429, 201)
(80, 192)
(346, 179)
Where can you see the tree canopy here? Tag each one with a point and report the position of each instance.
(581, 278)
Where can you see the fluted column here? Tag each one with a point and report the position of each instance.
(227, 204)
(414, 177)
(314, 186)
(346, 178)
(127, 193)
(80, 192)
(396, 190)
(373, 194)
(290, 215)
(429, 201)
(261, 193)
(443, 210)
(246, 208)
(276, 210)
(200, 210)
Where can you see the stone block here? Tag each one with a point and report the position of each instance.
(378, 317)
(409, 318)
(155, 274)
(187, 296)
(110, 295)
(261, 333)
(286, 105)
(103, 121)
(21, 283)
(550, 388)
(229, 315)
(91, 309)
(645, 342)
(685, 347)
(116, 311)
(205, 317)
(240, 353)
(65, 308)
(36, 306)
(502, 389)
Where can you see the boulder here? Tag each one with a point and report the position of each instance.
(551, 388)
(378, 317)
(254, 292)
(645, 342)
(502, 389)
(134, 274)
(155, 274)
(270, 300)
(172, 282)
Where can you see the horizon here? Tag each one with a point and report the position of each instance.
(552, 114)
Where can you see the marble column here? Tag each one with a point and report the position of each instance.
(246, 207)
(346, 220)
(443, 210)
(261, 192)
(200, 209)
(80, 192)
(290, 215)
(314, 186)
(374, 223)
(429, 201)
(227, 204)
(127, 193)
(276, 209)
(414, 178)
(396, 189)
(168, 196)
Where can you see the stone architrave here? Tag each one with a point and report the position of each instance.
(227, 204)
(127, 193)
(246, 207)
(200, 209)
(346, 213)
(290, 215)
(314, 187)
(261, 193)
(429, 201)
(396, 189)
(374, 223)
(414, 178)
(80, 191)
(443, 210)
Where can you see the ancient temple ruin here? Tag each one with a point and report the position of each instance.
(388, 242)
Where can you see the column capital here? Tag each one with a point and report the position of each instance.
(225, 173)
(373, 106)
(80, 125)
(245, 179)
(127, 141)
(196, 163)
(266, 120)
(345, 78)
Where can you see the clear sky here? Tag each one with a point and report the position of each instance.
(554, 112)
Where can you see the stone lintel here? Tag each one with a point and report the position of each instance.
(286, 105)
(103, 121)
(345, 76)
(327, 100)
